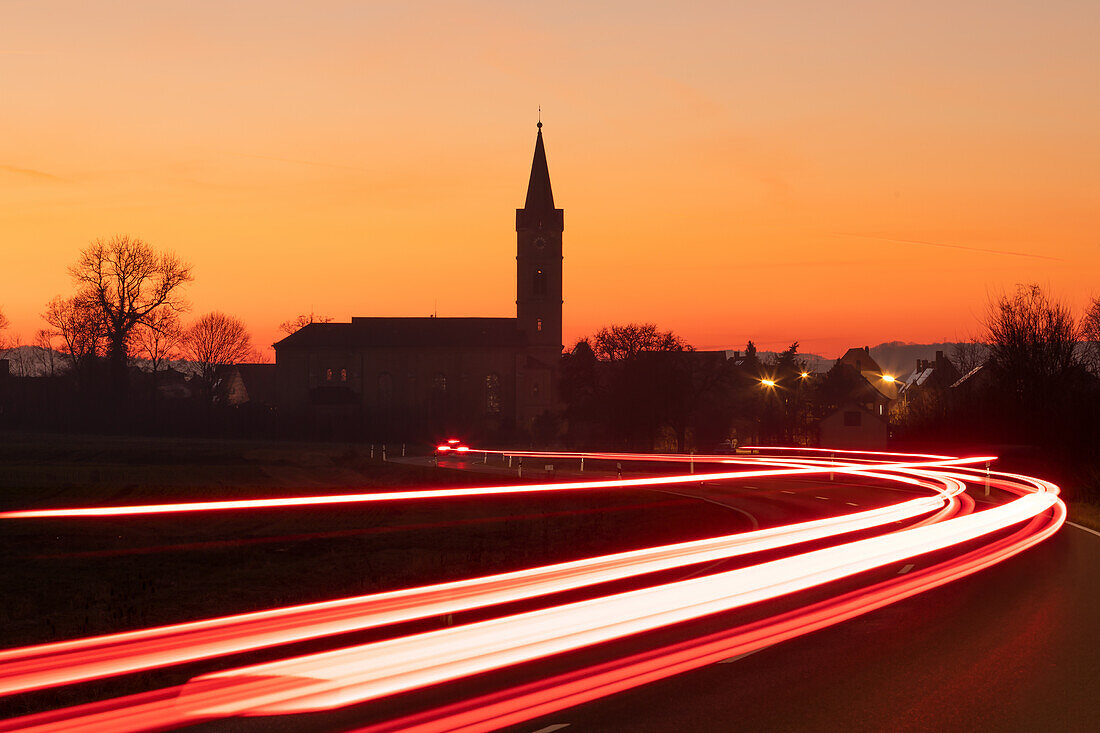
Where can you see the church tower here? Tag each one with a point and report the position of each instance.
(539, 228)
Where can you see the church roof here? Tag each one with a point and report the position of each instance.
(540, 197)
(409, 332)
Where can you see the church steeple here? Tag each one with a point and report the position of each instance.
(540, 197)
(539, 227)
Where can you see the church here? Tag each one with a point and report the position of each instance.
(422, 378)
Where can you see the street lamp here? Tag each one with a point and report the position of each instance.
(767, 382)
(888, 378)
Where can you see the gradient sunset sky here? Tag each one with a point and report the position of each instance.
(836, 173)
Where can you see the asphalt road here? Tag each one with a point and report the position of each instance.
(1015, 647)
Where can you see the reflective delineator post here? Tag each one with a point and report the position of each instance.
(582, 464)
(509, 461)
(372, 451)
(619, 468)
(521, 467)
(383, 451)
(691, 463)
(987, 478)
(402, 450)
(832, 459)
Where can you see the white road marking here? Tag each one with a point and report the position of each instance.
(851, 503)
(740, 656)
(753, 487)
(1078, 526)
(784, 491)
(552, 728)
(906, 569)
(755, 523)
(823, 498)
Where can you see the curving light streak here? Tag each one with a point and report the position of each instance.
(49, 665)
(525, 702)
(363, 672)
(817, 467)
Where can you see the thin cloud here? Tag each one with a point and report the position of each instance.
(1004, 252)
(297, 162)
(30, 172)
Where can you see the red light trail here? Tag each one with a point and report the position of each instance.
(363, 672)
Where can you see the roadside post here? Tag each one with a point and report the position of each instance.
(619, 468)
(692, 462)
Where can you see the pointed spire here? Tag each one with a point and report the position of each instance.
(539, 195)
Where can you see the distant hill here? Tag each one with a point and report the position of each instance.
(34, 361)
(900, 358)
(895, 357)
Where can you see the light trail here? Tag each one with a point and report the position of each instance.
(525, 702)
(420, 494)
(364, 672)
(49, 665)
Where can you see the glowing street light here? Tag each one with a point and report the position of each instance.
(888, 378)
(767, 382)
(804, 375)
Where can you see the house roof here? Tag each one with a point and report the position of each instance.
(860, 358)
(259, 382)
(969, 375)
(409, 332)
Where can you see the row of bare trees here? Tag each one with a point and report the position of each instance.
(128, 305)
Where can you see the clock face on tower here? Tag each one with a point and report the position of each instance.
(540, 242)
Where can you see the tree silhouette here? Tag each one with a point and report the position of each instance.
(1090, 335)
(4, 323)
(214, 342)
(124, 279)
(295, 324)
(78, 323)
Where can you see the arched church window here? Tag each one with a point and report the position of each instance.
(539, 285)
(492, 393)
(439, 382)
(343, 375)
(328, 375)
(538, 324)
(385, 389)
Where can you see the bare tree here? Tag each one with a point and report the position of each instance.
(4, 323)
(968, 355)
(44, 351)
(1090, 335)
(125, 279)
(78, 324)
(1032, 343)
(214, 342)
(618, 343)
(295, 324)
(158, 338)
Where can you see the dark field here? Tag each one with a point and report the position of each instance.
(80, 577)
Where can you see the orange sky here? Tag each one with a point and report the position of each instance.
(774, 171)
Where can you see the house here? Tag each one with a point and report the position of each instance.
(853, 427)
(923, 393)
(858, 397)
